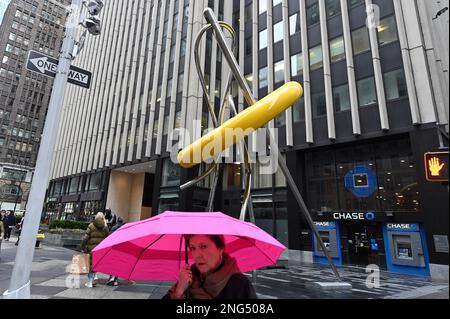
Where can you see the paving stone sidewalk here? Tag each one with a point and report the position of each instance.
(50, 280)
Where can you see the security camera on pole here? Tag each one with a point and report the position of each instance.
(19, 287)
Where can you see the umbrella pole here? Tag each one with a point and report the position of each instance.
(243, 84)
(186, 259)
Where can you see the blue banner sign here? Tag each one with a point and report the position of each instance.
(402, 227)
(325, 225)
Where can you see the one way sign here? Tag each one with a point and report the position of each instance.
(47, 65)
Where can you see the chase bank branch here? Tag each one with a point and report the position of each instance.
(375, 101)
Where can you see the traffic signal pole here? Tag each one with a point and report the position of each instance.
(19, 287)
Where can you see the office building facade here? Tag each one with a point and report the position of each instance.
(24, 95)
(375, 79)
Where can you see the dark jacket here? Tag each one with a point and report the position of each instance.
(95, 233)
(238, 287)
(116, 227)
(10, 221)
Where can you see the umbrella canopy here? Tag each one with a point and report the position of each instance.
(153, 249)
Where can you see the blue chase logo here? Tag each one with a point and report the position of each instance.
(361, 181)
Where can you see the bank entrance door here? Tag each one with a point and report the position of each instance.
(363, 244)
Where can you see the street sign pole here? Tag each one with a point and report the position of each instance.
(19, 287)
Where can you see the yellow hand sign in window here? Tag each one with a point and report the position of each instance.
(435, 166)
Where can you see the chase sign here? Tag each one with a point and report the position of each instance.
(370, 216)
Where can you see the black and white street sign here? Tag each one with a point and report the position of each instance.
(47, 65)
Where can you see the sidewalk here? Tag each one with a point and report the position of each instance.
(49, 280)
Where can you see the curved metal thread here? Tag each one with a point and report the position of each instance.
(214, 166)
(214, 169)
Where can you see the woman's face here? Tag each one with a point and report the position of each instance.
(206, 255)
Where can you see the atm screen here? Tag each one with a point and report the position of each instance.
(326, 239)
(404, 251)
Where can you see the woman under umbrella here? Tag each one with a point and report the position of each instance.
(214, 274)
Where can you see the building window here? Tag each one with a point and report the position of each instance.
(262, 173)
(280, 179)
(312, 14)
(263, 39)
(333, 7)
(360, 40)
(354, 3)
(366, 92)
(319, 104)
(13, 174)
(395, 85)
(178, 120)
(294, 24)
(249, 13)
(278, 32)
(299, 111)
(392, 165)
(280, 120)
(170, 174)
(297, 65)
(315, 58)
(262, 6)
(321, 181)
(95, 181)
(248, 46)
(279, 71)
(337, 49)
(387, 31)
(73, 188)
(180, 83)
(341, 98)
(276, 2)
(232, 176)
(263, 78)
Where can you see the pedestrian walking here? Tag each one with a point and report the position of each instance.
(95, 233)
(10, 224)
(19, 228)
(2, 233)
(113, 280)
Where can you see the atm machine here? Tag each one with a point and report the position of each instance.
(329, 232)
(406, 249)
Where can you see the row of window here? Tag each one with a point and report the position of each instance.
(18, 38)
(387, 33)
(78, 184)
(332, 7)
(13, 174)
(395, 88)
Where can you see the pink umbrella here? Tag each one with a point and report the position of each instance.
(153, 249)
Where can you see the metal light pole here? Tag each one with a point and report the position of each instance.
(19, 287)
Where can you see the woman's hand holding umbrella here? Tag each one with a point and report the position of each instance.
(184, 281)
